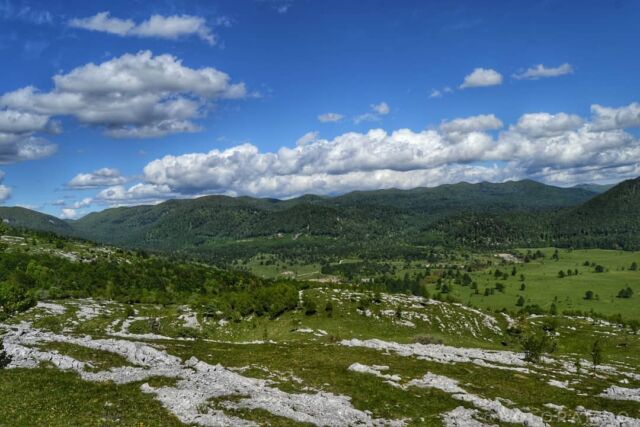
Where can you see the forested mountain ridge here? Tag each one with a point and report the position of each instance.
(609, 220)
(612, 218)
(381, 213)
(514, 213)
(19, 217)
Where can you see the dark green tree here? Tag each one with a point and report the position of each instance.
(5, 359)
(596, 354)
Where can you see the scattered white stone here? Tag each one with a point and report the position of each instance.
(489, 322)
(56, 309)
(605, 418)
(317, 333)
(560, 384)
(407, 323)
(621, 393)
(376, 370)
(554, 406)
(189, 318)
(89, 309)
(498, 410)
(446, 354)
(508, 258)
(462, 417)
(124, 331)
(510, 321)
(197, 382)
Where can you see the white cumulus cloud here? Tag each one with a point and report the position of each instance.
(381, 108)
(158, 26)
(330, 117)
(17, 140)
(540, 71)
(134, 96)
(481, 77)
(69, 213)
(545, 124)
(474, 123)
(5, 192)
(103, 177)
(377, 111)
(607, 118)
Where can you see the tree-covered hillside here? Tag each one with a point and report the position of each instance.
(611, 219)
(373, 224)
(19, 217)
(358, 216)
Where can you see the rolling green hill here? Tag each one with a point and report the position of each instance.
(385, 213)
(371, 223)
(487, 197)
(18, 217)
(611, 219)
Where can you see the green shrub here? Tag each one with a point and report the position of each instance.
(625, 293)
(534, 346)
(14, 299)
(328, 308)
(309, 306)
(5, 359)
(425, 339)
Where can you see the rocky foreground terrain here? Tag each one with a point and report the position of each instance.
(347, 370)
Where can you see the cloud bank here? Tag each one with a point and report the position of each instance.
(560, 148)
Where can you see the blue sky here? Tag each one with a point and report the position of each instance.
(281, 98)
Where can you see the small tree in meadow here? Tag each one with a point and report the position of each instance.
(596, 354)
(309, 306)
(520, 302)
(625, 293)
(5, 359)
(588, 295)
(328, 308)
(534, 346)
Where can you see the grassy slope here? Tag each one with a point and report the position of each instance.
(45, 396)
(543, 286)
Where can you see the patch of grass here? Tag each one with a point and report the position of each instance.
(38, 397)
(544, 287)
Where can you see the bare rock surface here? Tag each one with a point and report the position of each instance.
(197, 382)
